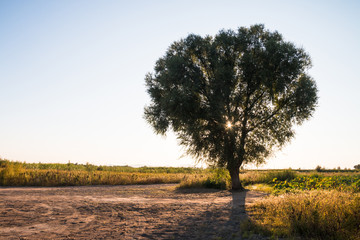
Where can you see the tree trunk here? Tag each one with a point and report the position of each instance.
(233, 164)
(235, 180)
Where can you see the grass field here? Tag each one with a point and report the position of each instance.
(70, 174)
(303, 204)
(309, 214)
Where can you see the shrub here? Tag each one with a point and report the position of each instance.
(319, 168)
(12, 174)
(218, 178)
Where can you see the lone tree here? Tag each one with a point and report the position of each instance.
(233, 98)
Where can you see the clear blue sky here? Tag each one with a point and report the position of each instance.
(72, 76)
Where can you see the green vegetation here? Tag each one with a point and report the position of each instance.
(316, 181)
(309, 204)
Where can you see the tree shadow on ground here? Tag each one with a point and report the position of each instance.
(214, 220)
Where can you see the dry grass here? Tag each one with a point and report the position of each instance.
(315, 214)
(261, 187)
(38, 174)
(14, 175)
(215, 178)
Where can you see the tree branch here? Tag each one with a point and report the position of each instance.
(255, 101)
(271, 115)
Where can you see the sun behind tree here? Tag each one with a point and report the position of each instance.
(233, 98)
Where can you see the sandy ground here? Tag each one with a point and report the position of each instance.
(122, 212)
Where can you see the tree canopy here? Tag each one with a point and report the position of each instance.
(233, 98)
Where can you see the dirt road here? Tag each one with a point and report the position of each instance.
(122, 212)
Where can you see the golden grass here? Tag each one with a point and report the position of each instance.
(317, 214)
(23, 174)
(215, 178)
(255, 177)
(12, 176)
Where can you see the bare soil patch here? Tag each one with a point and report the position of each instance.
(122, 212)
